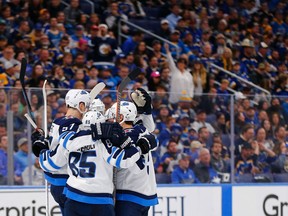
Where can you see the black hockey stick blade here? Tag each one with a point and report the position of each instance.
(129, 78)
(22, 81)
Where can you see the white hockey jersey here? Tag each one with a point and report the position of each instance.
(138, 183)
(58, 127)
(89, 166)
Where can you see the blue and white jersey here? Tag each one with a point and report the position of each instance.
(146, 120)
(89, 166)
(137, 184)
(58, 127)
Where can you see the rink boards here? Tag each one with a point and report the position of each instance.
(174, 200)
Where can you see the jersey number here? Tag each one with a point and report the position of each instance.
(80, 166)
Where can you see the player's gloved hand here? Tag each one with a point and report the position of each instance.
(142, 100)
(40, 145)
(120, 139)
(37, 134)
(147, 143)
(104, 130)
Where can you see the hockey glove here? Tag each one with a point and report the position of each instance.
(120, 139)
(39, 145)
(37, 134)
(142, 100)
(104, 130)
(147, 143)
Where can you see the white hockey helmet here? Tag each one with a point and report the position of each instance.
(109, 114)
(127, 109)
(76, 96)
(97, 105)
(92, 117)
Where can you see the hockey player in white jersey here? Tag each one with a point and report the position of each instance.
(89, 186)
(97, 105)
(135, 186)
(142, 101)
(77, 102)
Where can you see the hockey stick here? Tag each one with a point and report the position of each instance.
(121, 88)
(22, 81)
(28, 117)
(96, 90)
(46, 134)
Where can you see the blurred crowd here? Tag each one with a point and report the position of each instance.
(73, 47)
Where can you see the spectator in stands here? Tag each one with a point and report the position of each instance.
(173, 17)
(199, 74)
(3, 160)
(170, 158)
(54, 7)
(247, 135)
(265, 156)
(21, 156)
(131, 43)
(276, 121)
(207, 57)
(248, 61)
(203, 136)
(204, 171)
(37, 174)
(193, 152)
(44, 60)
(182, 174)
(142, 50)
(10, 71)
(156, 52)
(154, 80)
(181, 48)
(181, 79)
(223, 95)
(281, 163)
(112, 16)
(251, 116)
(162, 117)
(37, 76)
(220, 125)
(217, 161)
(244, 162)
(165, 32)
(200, 121)
(57, 78)
(153, 65)
(53, 33)
(280, 134)
(8, 55)
(105, 47)
(73, 12)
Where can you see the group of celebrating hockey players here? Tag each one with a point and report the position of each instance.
(88, 153)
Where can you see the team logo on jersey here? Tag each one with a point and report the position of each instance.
(104, 49)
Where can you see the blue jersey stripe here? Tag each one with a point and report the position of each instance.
(52, 163)
(136, 199)
(41, 161)
(56, 181)
(136, 194)
(119, 159)
(111, 155)
(88, 198)
(62, 135)
(67, 139)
